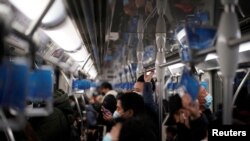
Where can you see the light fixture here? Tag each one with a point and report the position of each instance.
(30, 8)
(65, 36)
(178, 65)
(81, 64)
(88, 65)
(34, 8)
(181, 34)
(92, 73)
(79, 55)
(112, 36)
(244, 47)
(211, 56)
(74, 67)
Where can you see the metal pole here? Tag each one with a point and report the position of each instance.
(66, 79)
(227, 100)
(160, 59)
(197, 54)
(86, 61)
(131, 73)
(8, 132)
(34, 25)
(237, 42)
(150, 69)
(78, 106)
(228, 57)
(170, 63)
(205, 52)
(140, 47)
(92, 64)
(70, 84)
(240, 86)
(160, 72)
(79, 111)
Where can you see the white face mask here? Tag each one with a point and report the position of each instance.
(116, 115)
(107, 137)
(72, 104)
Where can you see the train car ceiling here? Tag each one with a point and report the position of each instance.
(65, 36)
(102, 36)
(33, 9)
(58, 38)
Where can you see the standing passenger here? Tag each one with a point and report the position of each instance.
(145, 86)
(190, 121)
(109, 99)
(108, 105)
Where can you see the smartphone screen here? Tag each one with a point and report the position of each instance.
(105, 111)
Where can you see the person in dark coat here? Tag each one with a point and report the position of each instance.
(191, 123)
(56, 126)
(108, 105)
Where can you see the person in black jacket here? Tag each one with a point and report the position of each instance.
(191, 123)
(109, 99)
(108, 105)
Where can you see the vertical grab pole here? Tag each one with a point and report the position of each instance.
(140, 47)
(160, 59)
(240, 86)
(70, 90)
(8, 131)
(228, 56)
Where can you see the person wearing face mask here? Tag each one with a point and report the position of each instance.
(205, 101)
(129, 105)
(109, 99)
(114, 133)
(191, 123)
(108, 105)
(132, 129)
(145, 86)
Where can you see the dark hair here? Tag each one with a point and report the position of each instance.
(137, 129)
(175, 103)
(106, 85)
(133, 101)
(141, 79)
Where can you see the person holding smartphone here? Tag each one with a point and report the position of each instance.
(108, 105)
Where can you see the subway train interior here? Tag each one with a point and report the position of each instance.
(123, 70)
